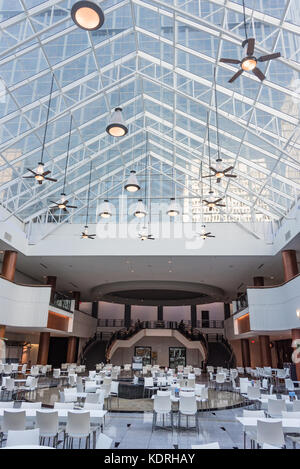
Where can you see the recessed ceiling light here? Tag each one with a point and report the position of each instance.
(87, 15)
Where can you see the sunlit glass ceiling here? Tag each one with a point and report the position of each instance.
(156, 59)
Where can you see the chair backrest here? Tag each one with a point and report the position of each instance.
(63, 405)
(13, 420)
(92, 406)
(254, 413)
(220, 378)
(191, 383)
(163, 393)
(188, 404)
(289, 385)
(92, 398)
(23, 437)
(253, 392)
(148, 382)
(56, 373)
(162, 404)
(270, 432)
(47, 421)
(6, 404)
(31, 405)
(296, 406)
(103, 442)
(10, 384)
(114, 388)
(90, 386)
(78, 423)
(214, 445)
(275, 407)
(290, 415)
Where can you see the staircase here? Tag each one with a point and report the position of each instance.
(94, 350)
(220, 352)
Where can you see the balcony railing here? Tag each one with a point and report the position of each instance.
(203, 324)
(62, 301)
(241, 302)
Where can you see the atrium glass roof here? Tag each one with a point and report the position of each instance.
(156, 59)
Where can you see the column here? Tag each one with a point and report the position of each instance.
(265, 351)
(258, 281)
(194, 316)
(296, 336)
(51, 281)
(9, 265)
(245, 352)
(71, 352)
(127, 316)
(160, 313)
(226, 310)
(2, 332)
(76, 297)
(290, 266)
(95, 305)
(43, 348)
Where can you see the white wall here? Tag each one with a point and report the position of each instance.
(23, 306)
(216, 311)
(84, 325)
(274, 309)
(110, 310)
(177, 313)
(144, 313)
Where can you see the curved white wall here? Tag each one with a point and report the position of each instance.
(23, 306)
(274, 309)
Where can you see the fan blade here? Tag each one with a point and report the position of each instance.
(228, 169)
(213, 169)
(235, 76)
(33, 172)
(46, 173)
(52, 202)
(206, 201)
(230, 61)
(220, 205)
(209, 176)
(71, 206)
(28, 177)
(259, 74)
(218, 200)
(264, 58)
(51, 179)
(251, 45)
(230, 175)
(210, 236)
(91, 237)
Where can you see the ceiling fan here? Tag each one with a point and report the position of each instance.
(249, 63)
(204, 234)
(211, 203)
(63, 203)
(85, 234)
(143, 236)
(218, 171)
(40, 175)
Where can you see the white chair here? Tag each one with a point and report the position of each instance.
(214, 445)
(12, 420)
(114, 390)
(276, 407)
(63, 405)
(296, 406)
(188, 407)
(23, 437)
(148, 385)
(90, 386)
(251, 434)
(31, 405)
(289, 385)
(162, 407)
(270, 433)
(48, 425)
(220, 379)
(103, 442)
(78, 426)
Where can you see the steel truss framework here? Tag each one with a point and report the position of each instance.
(156, 59)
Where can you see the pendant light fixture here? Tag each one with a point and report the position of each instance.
(116, 126)
(85, 234)
(132, 183)
(140, 210)
(63, 203)
(145, 233)
(87, 15)
(106, 210)
(39, 174)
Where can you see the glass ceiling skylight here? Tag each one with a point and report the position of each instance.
(156, 60)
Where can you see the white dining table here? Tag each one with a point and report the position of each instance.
(97, 417)
(250, 423)
(264, 403)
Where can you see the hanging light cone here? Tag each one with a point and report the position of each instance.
(132, 183)
(87, 15)
(106, 209)
(140, 210)
(117, 127)
(173, 209)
